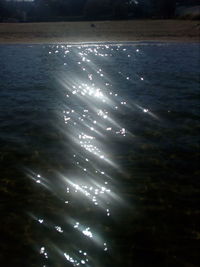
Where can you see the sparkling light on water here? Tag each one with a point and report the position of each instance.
(89, 122)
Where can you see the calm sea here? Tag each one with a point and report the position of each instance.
(99, 150)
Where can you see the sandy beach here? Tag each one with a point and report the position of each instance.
(100, 31)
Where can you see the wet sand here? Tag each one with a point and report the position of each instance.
(100, 31)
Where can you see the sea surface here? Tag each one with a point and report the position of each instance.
(99, 155)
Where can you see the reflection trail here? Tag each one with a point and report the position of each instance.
(91, 109)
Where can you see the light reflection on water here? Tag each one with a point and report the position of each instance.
(93, 126)
(91, 102)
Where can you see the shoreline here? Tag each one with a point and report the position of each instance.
(53, 42)
(100, 32)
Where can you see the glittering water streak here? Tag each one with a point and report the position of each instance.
(91, 106)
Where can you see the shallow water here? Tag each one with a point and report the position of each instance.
(99, 155)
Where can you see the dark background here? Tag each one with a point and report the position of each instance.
(77, 10)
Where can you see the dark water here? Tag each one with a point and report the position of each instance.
(99, 155)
